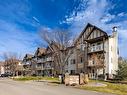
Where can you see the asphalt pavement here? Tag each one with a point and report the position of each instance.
(10, 87)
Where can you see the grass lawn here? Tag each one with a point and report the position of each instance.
(28, 78)
(118, 89)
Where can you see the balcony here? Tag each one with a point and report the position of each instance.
(49, 59)
(92, 63)
(81, 47)
(39, 68)
(41, 60)
(48, 66)
(80, 65)
(95, 48)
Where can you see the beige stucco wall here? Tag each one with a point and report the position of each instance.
(111, 56)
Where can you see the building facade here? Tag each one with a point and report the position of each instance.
(39, 64)
(96, 53)
(28, 67)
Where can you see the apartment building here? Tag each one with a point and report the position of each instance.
(49, 63)
(39, 56)
(96, 52)
(44, 64)
(40, 64)
(11, 66)
(19, 69)
(28, 65)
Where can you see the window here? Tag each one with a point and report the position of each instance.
(93, 71)
(72, 61)
(66, 71)
(72, 72)
(81, 71)
(93, 47)
(93, 62)
(67, 63)
(81, 60)
(99, 46)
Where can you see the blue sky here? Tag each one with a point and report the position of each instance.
(21, 19)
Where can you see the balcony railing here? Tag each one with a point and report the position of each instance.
(95, 48)
(44, 60)
(90, 63)
(49, 59)
(41, 60)
(93, 64)
(39, 67)
(47, 67)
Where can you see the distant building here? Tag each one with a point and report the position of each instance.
(39, 56)
(2, 69)
(27, 64)
(11, 65)
(40, 64)
(19, 69)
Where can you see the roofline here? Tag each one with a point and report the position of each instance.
(88, 24)
(95, 27)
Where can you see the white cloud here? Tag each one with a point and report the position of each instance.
(97, 13)
(107, 18)
(122, 14)
(15, 39)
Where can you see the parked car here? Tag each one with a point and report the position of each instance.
(6, 75)
(3, 75)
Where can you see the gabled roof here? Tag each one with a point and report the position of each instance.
(88, 25)
(93, 28)
(40, 51)
(28, 56)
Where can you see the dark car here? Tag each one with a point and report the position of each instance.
(6, 75)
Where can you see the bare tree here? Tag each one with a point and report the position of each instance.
(11, 62)
(59, 42)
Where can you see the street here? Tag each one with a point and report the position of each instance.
(10, 87)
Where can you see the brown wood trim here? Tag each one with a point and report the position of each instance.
(90, 32)
(101, 51)
(96, 39)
